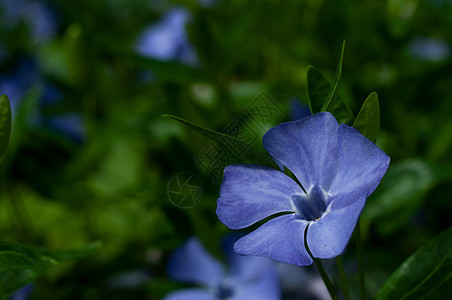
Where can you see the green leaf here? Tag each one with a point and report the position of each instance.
(5, 125)
(318, 89)
(368, 119)
(20, 265)
(422, 272)
(253, 154)
(399, 194)
(17, 257)
(14, 280)
(329, 105)
(65, 255)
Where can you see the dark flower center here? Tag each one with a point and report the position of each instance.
(225, 291)
(310, 206)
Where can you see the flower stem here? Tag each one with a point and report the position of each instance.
(360, 254)
(322, 271)
(342, 278)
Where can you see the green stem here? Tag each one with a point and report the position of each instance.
(342, 278)
(322, 271)
(360, 254)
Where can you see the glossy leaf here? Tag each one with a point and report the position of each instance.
(319, 90)
(398, 195)
(65, 255)
(422, 272)
(253, 154)
(329, 105)
(5, 124)
(17, 257)
(368, 119)
(14, 280)
(20, 265)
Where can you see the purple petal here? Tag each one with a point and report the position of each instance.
(244, 268)
(328, 236)
(190, 294)
(281, 239)
(265, 287)
(193, 263)
(250, 193)
(308, 147)
(361, 167)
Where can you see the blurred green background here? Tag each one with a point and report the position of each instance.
(92, 159)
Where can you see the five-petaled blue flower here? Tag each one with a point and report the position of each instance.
(248, 278)
(337, 167)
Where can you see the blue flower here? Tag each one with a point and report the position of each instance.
(38, 16)
(248, 277)
(337, 167)
(167, 39)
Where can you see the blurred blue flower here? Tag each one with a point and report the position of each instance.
(36, 15)
(167, 39)
(429, 49)
(337, 166)
(247, 277)
(69, 124)
(313, 286)
(16, 84)
(23, 293)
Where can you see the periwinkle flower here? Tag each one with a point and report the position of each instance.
(247, 278)
(167, 39)
(337, 167)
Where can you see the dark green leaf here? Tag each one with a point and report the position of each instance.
(318, 89)
(368, 119)
(422, 272)
(14, 280)
(330, 104)
(5, 124)
(251, 153)
(399, 194)
(64, 255)
(17, 257)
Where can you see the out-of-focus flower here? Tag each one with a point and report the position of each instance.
(167, 39)
(16, 84)
(69, 124)
(429, 49)
(313, 286)
(338, 168)
(36, 15)
(246, 277)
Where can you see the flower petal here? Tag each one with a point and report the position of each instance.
(361, 166)
(264, 287)
(281, 239)
(308, 147)
(193, 263)
(250, 193)
(242, 267)
(190, 294)
(328, 236)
